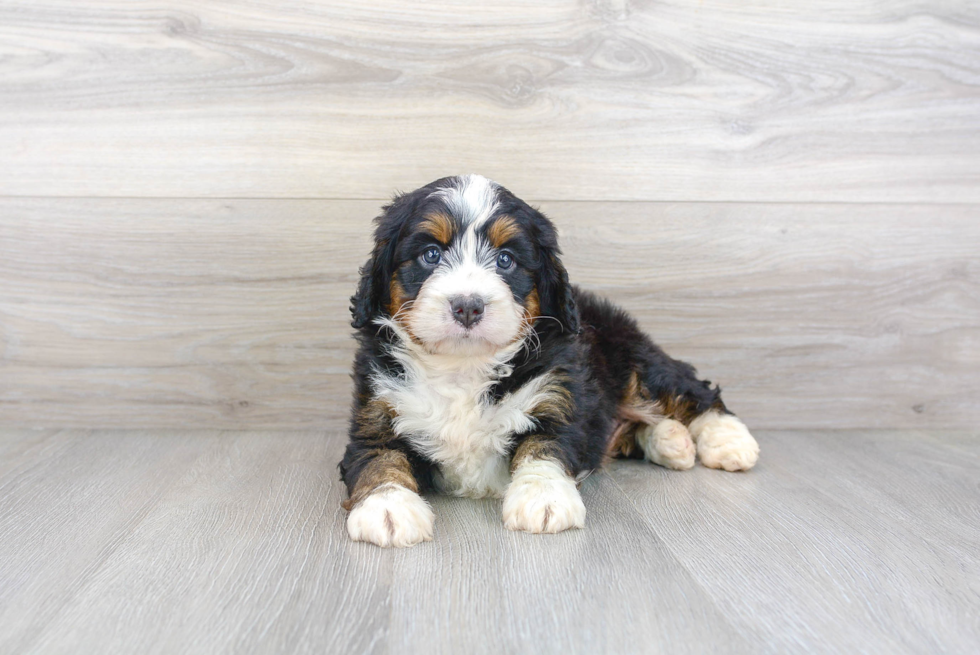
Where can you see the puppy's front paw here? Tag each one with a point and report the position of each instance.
(667, 443)
(542, 498)
(391, 516)
(724, 442)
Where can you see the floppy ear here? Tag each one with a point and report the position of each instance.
(365, 304)
(557, 299)
(553, 287)
(371, 297)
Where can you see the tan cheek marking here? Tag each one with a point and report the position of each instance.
(388, 467)
(397, 295)
(532, 306)
(502, 230)
(397, 304)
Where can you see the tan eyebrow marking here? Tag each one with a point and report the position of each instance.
(440, 226)
(502, 230)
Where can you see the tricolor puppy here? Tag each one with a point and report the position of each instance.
(483, 372)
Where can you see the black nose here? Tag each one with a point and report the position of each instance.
(467, 310)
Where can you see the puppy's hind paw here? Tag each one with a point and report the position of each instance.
(668, 443)
(724, 442)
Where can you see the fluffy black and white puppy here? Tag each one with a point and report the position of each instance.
(482, 372)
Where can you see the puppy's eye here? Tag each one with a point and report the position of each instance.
(431, 256)
(505, 260)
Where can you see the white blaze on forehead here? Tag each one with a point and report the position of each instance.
(469, 252)
(473, 200)
(470, 198)
(469, 263)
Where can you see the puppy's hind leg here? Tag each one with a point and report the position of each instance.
(642, 424)
(722, 440)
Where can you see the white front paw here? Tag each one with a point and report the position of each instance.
(542, 498)
(724, 442)
(391, 516)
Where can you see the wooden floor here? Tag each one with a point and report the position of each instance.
(178, 542)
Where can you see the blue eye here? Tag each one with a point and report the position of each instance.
(431, 256)
(505, 260)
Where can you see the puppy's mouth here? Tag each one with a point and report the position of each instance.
(470, 323)
(470, 327)
(473, 332)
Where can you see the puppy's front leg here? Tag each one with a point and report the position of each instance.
(385, 507)
(542, 496)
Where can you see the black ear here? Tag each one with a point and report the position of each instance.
(556, 295)
(554, 290)
(363, 304)
(373, 289)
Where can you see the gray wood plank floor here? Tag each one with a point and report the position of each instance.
(211, 542)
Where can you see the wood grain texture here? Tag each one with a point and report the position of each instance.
(609, 99)
(233, 314)
(870, 536)
(234, 542)
(580, 592)
(68, 501)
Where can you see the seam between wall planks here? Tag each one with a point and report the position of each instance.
(531, 199)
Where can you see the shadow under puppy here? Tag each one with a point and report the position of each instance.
(482, 372)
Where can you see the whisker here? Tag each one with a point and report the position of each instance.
(550, 318)
(531, 337)
(407, 305)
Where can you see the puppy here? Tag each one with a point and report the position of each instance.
(482, 372)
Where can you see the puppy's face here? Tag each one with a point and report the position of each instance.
(463, 266)
(464, 286)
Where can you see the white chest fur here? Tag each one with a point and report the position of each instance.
(441, 406)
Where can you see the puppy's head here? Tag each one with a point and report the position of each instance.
(465, 267)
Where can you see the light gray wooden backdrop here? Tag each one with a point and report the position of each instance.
(787, 194)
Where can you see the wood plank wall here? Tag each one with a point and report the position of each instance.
(786, 194)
